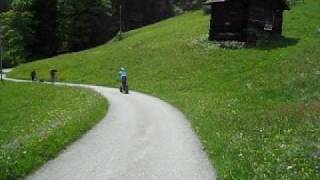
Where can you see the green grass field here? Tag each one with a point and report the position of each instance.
(37, 121)
(256, 110)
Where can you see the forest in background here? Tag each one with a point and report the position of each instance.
(33, 29)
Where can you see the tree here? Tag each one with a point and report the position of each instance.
(45, 26)
(84, 24)
(16, 28)
(139, 13)
(4, 5)
(35, 29)
(188, 4)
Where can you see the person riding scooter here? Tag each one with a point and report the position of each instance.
(123, 77)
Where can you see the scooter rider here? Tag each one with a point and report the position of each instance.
(123, 77)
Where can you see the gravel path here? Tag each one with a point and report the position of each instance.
(141, 138)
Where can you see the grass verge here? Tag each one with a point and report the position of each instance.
(37, 121)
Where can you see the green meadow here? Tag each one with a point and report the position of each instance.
(37, 121)
(256, 110)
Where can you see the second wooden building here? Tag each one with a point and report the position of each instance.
(245, 20)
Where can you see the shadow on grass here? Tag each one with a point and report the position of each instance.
(275, 43)
(264, 44)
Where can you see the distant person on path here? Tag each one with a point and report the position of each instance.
(34, 75)
(123, 77)
(54, 75)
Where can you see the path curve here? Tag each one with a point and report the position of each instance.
(141, 138)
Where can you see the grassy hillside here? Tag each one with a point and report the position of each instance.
(38, 121)
(256, 110)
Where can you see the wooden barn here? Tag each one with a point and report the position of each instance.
(245, 20)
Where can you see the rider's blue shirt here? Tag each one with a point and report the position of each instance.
(123, 74)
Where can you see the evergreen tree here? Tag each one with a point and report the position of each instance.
(84, 24)
(188, 4)
(17, 32)
(35, 29)
(4, 5)
(139, 13)
(45, 41)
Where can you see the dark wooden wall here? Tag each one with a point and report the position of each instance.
(240, 20)
(228, 21)
(266, 15)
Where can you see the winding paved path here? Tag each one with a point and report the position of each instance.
(141, 138)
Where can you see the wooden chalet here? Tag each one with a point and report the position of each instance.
(245, 20)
